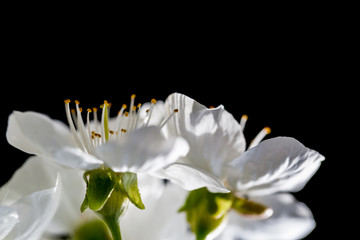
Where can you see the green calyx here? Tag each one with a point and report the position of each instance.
(206, 211)
(108, 194)
(103, 183)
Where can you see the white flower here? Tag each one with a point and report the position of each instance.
(218, 158)
(25, 212)
(217, 152)
(128, 143)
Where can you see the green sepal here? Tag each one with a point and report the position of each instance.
(84, 205)
(130, 186)
(247, 207)
(100, 185)
(114, 207)
(205, 211)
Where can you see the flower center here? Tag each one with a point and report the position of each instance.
(96, 132)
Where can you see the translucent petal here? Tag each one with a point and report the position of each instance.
(35, 213)
(145, 150)
(8, 218)
(191, 178)
(277, 164)
(41, 173)
(76, 158)
(36, 133)
(214, 136)
(291, 220)
(159, 209)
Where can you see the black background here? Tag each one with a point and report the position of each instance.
(284, 74)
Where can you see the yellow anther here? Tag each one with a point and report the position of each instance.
(80, 109)
(139, 105)
(105, 104)
(124, 106)
(267, 129)
(134, 108)
(95, 109)
(67, 101)
(245, 117)
(89, 110)
(153, 101)
(211, 107)
(77, 102)
(126, 114)
(72, 110)
(111, 132)
(133, 96)
(123, 130)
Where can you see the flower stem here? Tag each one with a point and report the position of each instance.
(114, 227)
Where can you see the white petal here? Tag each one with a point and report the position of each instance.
(36, 133)
(35, 212)
(76, 158)
(214, 136)
(277, 164)
(145, 150)
(291, 220)
(41, 174)
(32, 176)
(160, 219)
(191, 178)
(8, 218)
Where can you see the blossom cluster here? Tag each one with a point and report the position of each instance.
(172, 169)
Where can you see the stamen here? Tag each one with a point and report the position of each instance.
(149, 112)
(171, 115)
(243, 120)
(259, 137)
(105, 121)
(73, 115)
(132, 101)
(96, 122)
(120, 118)
(71, 124)
(88, 122)
(131, 111)
(81, 128)
(137, 116)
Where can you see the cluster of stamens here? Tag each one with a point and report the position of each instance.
(97, 132)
